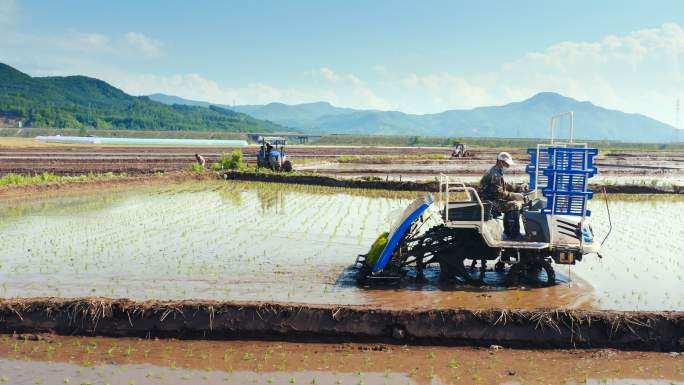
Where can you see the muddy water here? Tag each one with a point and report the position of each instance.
(274, 242)
(70, 360)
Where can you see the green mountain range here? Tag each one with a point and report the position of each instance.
(79, 101)
(528, 118)
(82, 102)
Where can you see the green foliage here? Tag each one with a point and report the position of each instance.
(46, 177)
(114, 133)
(81, 102)
(230, 161)
(196, 167)
(348, 158)
(376, 248)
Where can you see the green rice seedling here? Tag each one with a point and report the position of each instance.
(47, 177)
(196, 167)
(376, 248)
(230, 161)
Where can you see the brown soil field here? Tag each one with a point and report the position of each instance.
(413, 185)
(43, 358)
(9, 192)
(36, 157)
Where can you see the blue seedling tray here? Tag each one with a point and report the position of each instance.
(564, 173)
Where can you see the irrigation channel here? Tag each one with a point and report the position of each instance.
(257, 244)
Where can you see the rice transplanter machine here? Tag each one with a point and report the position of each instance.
(460, 227)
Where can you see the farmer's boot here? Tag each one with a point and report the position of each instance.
(512, 225)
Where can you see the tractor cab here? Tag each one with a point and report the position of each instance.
(460, 150)
(272, 154)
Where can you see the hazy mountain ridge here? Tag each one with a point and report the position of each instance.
(526, 119)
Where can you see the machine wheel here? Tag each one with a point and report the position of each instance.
(446, 272)
(454, 267)
(542, 272)
(287, 166)
(537, 272)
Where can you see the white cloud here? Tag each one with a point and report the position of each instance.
(89, 42)
(349, 90)
(92, 39)
(616, 71)
(144, 44)
(70, 46)
(638, 72)
(327, 74)
(442, 90)
(194, 86)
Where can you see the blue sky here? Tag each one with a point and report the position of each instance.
(418, 57)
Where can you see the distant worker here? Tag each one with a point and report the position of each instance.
(200, 160)
(269, 148)
(505, 198)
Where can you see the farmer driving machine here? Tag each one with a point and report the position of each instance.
(461, 227)
(272, 154)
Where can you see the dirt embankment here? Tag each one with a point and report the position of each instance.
(647, 331)
(14, 191)
(370, 183)
(23, 190)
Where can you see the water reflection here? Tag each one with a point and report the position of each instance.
(32, 373)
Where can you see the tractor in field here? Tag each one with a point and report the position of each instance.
(461, 227)
(272, 154)
(461, 151)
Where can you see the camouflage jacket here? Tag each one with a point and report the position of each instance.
(493, 187)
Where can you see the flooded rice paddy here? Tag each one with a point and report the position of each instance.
(78, 360)
(273, 242)
(669, 173)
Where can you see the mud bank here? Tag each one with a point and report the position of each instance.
(370, 183)
(645, 331)
(116, 180)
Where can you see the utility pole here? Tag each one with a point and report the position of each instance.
(677, 126)
(677, 114)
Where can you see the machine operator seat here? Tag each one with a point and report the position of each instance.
(469, 209)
